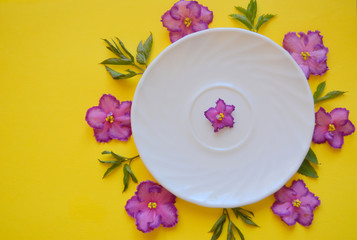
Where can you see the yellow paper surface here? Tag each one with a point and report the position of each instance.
(50, 179)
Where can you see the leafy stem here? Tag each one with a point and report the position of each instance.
(330, 95)
(124, 57)
(244, 214)
(248, 16)
(119, 160)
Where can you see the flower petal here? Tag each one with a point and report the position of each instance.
(174, 36)
(124, 108)
(95, 117)
(228, 120)
(164, 196)
(285, 195)
(133, 206)
(319, 134)
(206, 15)
(101, 135)
(300, 188)
(168, 213)
(302, 64)
(317, 68)
(230, 109)
(170, 23)
(119, 132)
(322, 117)
(220, 106)
(108, 103)
(305, 215)
(174, 12)
(143, 192)
(147, 221)
(290, 219)
(339, 116)
(123, 120)
(310, 199)
(319, 54)
(314, 38)
(282, 209)
(211, 114)
(337, 140)
(346, 129)
(199, 26)
(292, 43)
(194, 9)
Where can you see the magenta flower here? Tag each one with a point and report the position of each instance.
(221, 115)
(295, 204)
(308, 51)
(186, 17)
(110, 120)
(151, 206)
(332, 127)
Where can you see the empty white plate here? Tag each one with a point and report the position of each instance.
(274, 117)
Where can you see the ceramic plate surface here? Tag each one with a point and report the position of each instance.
(274, 118)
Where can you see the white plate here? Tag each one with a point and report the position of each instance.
(274, 118)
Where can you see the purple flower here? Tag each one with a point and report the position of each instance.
(308, 51)
(151, 206)
(295, 204)
(332, 127)
(221, 115)
(186, 17)
(110, 120)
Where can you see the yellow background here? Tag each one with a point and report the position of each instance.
(50, 179)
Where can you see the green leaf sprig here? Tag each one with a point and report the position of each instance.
(247, 16)
(124, 57)
(320, 88)
(239, 213)
(306, 168)
(128, 173)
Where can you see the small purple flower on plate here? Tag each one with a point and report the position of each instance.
(111, 119)
(308, 51)
(295, 204)
(221, 115)
(151, 206)
(186, 17)
(332, 127)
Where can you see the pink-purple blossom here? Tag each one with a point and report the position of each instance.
(221, 115)
(151, 206)
(295, 204)
(111, 119)
(186, 17)
(332, 127)
(308, 51)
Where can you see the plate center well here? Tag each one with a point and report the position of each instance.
(226, 138)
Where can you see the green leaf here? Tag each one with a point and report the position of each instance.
(242, 209)
(307, 170)
(117, 61)
(243, 20)
(118, 75)
(252, 10)
(114, 162)
(109, 170)
(140, 55)
(220, 221)
(247, 219)
(263, 19)
(117, 156)
(147, 47)
(330, 95)
(126, 51)
(115, 49)
(106, 152)
(218, 232)
(320, 88)
(126, 177)
(312, 157)
(128, 169)
(229, 231)
(239, 232)
(242, 10)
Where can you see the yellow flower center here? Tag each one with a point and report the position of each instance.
(152, 205)
(110, 119)
(305, 55)
(188, 22)
(331, 128)
(220, 116)
(296, 203)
